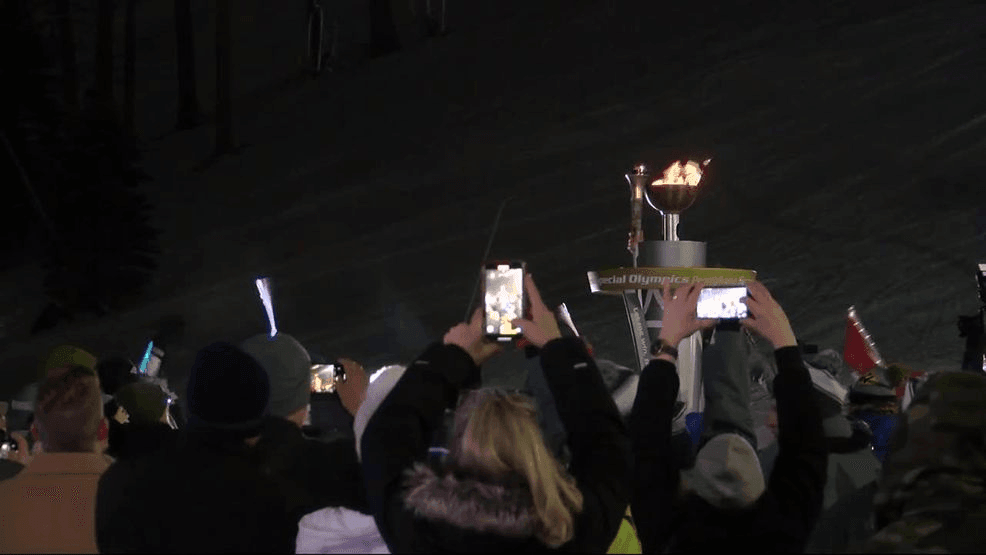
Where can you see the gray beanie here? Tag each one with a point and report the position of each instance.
(382, 382)
(288, 365)
(727, 473)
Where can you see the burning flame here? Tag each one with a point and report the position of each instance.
(688, 174)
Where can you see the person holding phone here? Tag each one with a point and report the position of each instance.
(499, 489)
(725, 502)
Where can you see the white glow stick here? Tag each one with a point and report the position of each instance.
(263, 288)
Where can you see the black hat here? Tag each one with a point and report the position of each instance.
(144, 401)
(227, 390)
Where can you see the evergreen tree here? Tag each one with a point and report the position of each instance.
(81, 175)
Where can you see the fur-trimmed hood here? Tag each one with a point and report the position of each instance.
(503, 507)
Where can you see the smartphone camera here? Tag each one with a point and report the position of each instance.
(504, 299)
(326, 376)
(7, 445)
(722, 303)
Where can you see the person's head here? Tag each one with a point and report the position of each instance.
(227, 392)
(727, 473)
(144, 402)
(937, 451)
(495, 435)
(69, 411)
(66, 355)
(115, 372)
(288, 365)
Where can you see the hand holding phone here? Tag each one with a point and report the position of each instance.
(471, 339)
(767, 318)
(543, 326)
(680, 313)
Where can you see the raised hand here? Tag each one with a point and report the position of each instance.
(543, 326)
(680, 308)
(767, 318)
(352, 391)
(472, 340)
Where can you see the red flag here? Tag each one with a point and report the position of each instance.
(859, 350)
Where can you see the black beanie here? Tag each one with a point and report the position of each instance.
(227, 390)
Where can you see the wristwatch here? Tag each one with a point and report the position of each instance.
(663, 347)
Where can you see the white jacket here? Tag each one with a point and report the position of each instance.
(338, 530)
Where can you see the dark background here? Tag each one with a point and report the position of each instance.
(847, 147)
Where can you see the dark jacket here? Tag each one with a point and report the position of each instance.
(419, 509)
(9, 469)
(128, 441)
(204, 496)
(780, 520)
(312, 474)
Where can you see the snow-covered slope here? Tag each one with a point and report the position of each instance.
(847, 169)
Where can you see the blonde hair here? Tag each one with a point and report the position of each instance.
(495, 434)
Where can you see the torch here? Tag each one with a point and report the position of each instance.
(674, 192)
(638, 179)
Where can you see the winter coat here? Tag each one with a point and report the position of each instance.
(128, 441)
(420, 508)
(48, 507)
(205, 495)
(780, 520)
(313, 474)
(9, 469)
(339, 530)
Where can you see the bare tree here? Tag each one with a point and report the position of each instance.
(189, 110)
(224, 66)
(66, 52)
(129, 70)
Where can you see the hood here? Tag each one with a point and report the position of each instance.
(339, 530)
(503, 508)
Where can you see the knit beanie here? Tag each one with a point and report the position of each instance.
(115, 372)
(66, 355)
(227, 390)
(288, 365)
(145, 402)
(382, 382)
(727, 473)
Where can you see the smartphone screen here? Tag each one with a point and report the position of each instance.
(324, 377)
(722, 303)
(504, 292)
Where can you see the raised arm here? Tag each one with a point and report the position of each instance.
(655, 473)
(597, 437)
(797, 481)
(397, 434)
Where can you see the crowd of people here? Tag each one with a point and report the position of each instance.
(436, 461)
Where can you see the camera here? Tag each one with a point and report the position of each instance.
(7, 445)
(722, 303)
(503, 288)
(324, 377)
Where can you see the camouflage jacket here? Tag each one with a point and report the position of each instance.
(932, 497)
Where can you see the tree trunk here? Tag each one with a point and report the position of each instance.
(224, 108)
(383, 31)
(189, 111)
(66, 51)
(104, 98)
(129, 70)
